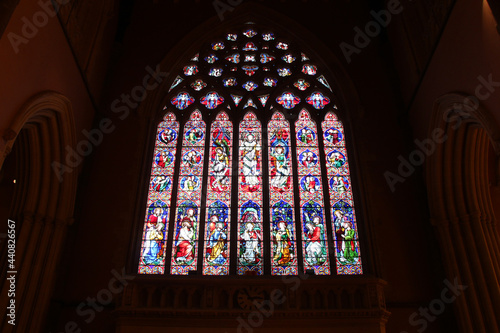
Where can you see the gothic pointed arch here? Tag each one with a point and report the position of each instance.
(463, 145)
(233, 214)
(42, 203)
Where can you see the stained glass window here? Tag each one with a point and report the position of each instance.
(218, 202)
(284, 254)
(312, 215)
(152, 257)
(347, 253)
(187, 217)
(250, 227)
(256, 203)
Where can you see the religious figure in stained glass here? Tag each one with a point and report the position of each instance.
(220, 172)
(216, 251)
(185, 236)
(218, 198)
(252, 236)
(152, 251)
(283, 234)
(250, 168)
(316, 242)
(280, 172)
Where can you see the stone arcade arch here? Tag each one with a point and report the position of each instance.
(461, 207)
(42, 205)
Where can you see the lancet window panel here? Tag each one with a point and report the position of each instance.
(188, 208)
(250, 226)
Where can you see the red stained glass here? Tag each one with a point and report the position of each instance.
(347, 252)
(152, 258)
(217, 227)
(187, 223)
(284, 254)
(250, 227)
(312, 215)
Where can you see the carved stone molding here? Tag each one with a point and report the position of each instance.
(167, 301)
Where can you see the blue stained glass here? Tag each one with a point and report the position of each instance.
(250, 33)
(182, 100)
(283, 234)
(250, 47)
(249, 69)
(335, 159)
(164, 158)
(339, 184)
(309, 69)
(211, 59)
(234, 58)
(216, 71)
(167, 136)
(249, 103)
(198, 85)
(288, 58)
(315, 246)
(263, 99)
(284, 71)
(306, 135)
(176, 82)
(308, 158)
(236, 99)
(212, 100)
(250, 86)
(301, 84)
(250, 58)
(229, 82)
(324, 82)
(218, 46)
(265, 58)
(310, 184)
(268, 37)
(270, 82)
(317, 100)
(282, 46)
(190, 70)
(288, 100)
(333, 135)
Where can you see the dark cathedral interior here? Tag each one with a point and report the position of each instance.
(97, 95)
